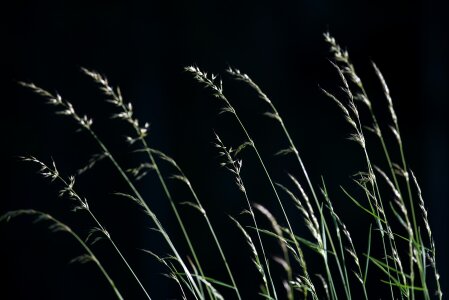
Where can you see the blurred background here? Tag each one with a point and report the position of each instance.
(143, 46)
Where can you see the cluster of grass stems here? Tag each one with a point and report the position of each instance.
(406, 265)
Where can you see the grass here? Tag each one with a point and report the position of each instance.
(349, 269)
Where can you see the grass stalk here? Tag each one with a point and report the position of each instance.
(69, 190)
(331, 239)
(86, 123)
(234, 165)
(59, 226)
(218, 92)
(126, 114)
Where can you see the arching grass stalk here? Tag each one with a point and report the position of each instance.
(318, 232)
(394, 168)
(352, 251)
(415, 234)
(203, 78)
(278, 233)
(153, 216)
(275, 115)
(237, 74)
(352, 116)
(127, 114)
(432, 256)
(342, 57)
(397, 134)
(367, 180)
(82, 205)
(412, 231)
(234, 165)
(85, 123)
(198, 205)
(58, 226)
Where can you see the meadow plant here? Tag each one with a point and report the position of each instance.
(391, 198)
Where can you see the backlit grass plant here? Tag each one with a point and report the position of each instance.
(392, 200)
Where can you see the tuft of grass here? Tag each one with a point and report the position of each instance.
(389, 197)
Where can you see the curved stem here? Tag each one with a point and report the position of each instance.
(148, 210)
(59, 226)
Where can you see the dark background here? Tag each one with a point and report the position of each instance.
(143, 47)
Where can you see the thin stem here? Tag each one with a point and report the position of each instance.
(173, 205)
(84, 206)
(304, 266)
(234, 165)
(218, 92)
(120, 254)
(337, 224)
(127, 115)
(147, 209)
(59, 226)
(217, 242)
(86, 124)
(101, 266)
(277, 116)
(263, 248)
(379, 134)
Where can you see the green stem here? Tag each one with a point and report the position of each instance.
(147, 209)
(175, 210)
(211, 229)
(100, 266)
(300, 253)
(106, 234)
(64, 228)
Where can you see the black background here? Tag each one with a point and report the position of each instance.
(143, 47)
